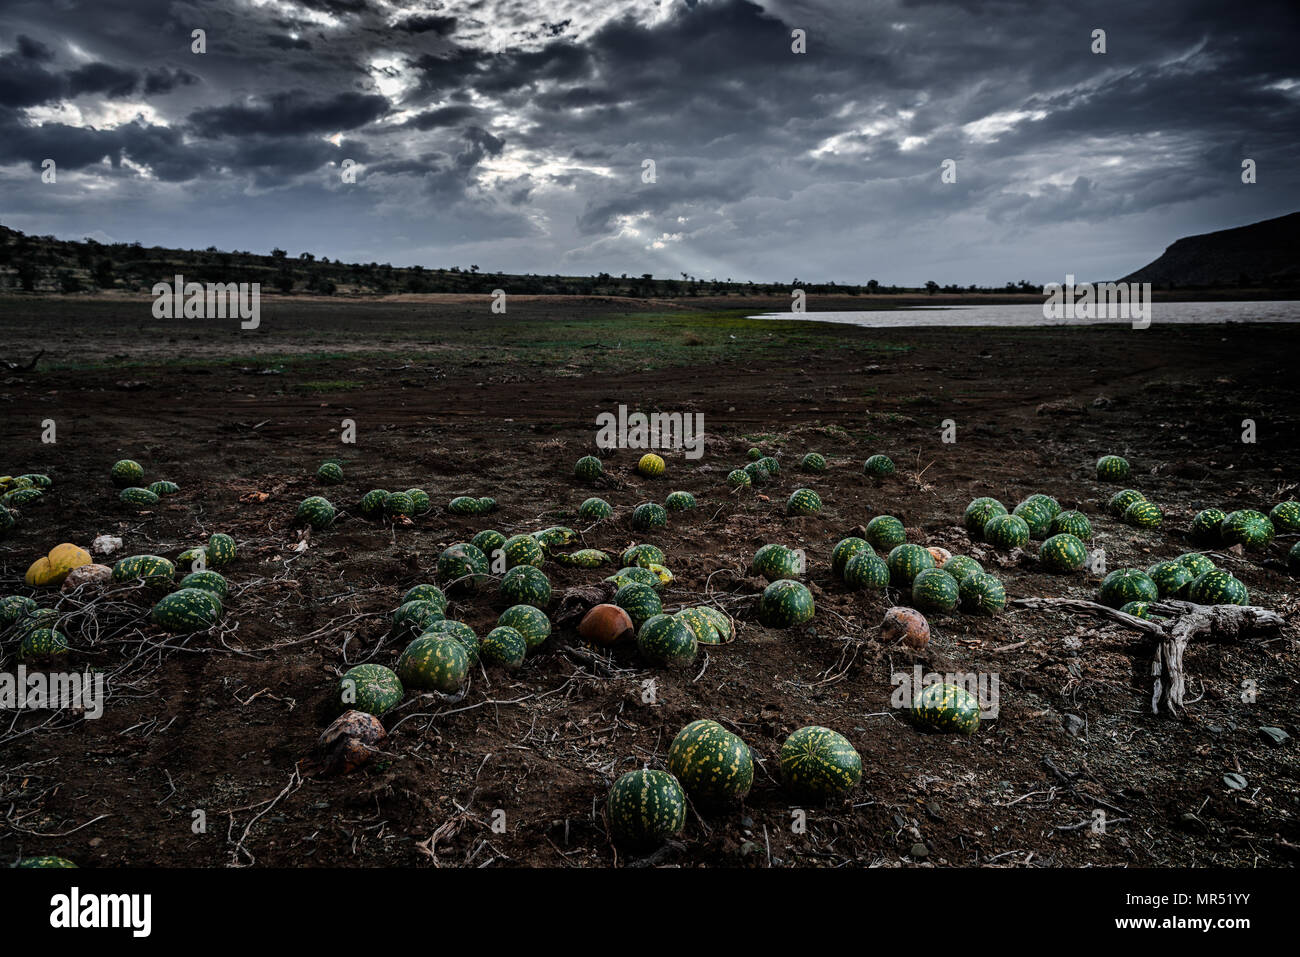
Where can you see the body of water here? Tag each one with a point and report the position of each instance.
(1032, 315)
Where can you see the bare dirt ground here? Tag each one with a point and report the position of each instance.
(456, 401)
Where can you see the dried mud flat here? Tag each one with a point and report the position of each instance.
(219, 721)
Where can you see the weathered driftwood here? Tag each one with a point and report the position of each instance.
(1187, 621)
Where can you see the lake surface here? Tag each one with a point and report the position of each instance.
(1032, 315)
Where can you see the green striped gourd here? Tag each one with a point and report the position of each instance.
(126, 472)
(371, 688)
(1293, 559)
(758, 473)
(187, 610)
(14, 607)
(461, 632)
(1171, 578)
(934, 590)
(905, 562)
(523, 550)
(463, 505)
(138, 497)
(776, 561)
(649, 515)
(487, 504)
(1285, 516)
(1196, 563)
(503, 646)
(1045, 501)
(33, 620)
(526, 585)
(739, 478)
(704, 622)
(771, 464)
(48, 860)
(665, 640)
(584, 558)
(641, 602)
(1121, 500)
(211, 581)
(1007, 532)
(221, 550)
(1206, 526)
(22, 497)
(1140, 609)
(557, 536)
(982, 594)
(420, 500)
(37, 480)
(803, 501)
(414, 616)
(434, 663)
(595, 510)
(946, 708)
(644, 555)
(813, 462)
(961, 567)
(866, 570)
(1063, 553)
(845, 549)
(1143, 514)
(8, 520)
(634, 573)
(42, 643)
(679, 501)
(978, 513)
(885, 532)
(1037, 516)
(714, 766)
(1217, 588)
(589, 468)
(1248, 528)
(753, 455)
(316, 511)
(1112, 468)
(399, 505)
(428, 593)
(530, 622)
(818, 763)
(152, 569)
(330, 473)
(1072, 523)
(786, 603)
(163, 487)
(195, 559)
(1124, 585)
(488, 541)
(372, 503)
(878, 466)
(645, 808)
(463, 567)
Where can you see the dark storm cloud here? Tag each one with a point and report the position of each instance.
(288, 114)
(529, 122)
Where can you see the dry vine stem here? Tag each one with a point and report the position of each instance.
(1224, 622)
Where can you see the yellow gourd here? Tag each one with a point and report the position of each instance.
(53, 568)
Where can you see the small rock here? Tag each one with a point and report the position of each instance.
(919, 851)
(747, 822)
(1073, 724)
(1273, 735)
(1234, 781)
(105, 544)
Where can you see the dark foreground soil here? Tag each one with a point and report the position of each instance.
(218, 722)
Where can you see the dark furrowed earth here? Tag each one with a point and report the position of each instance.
(455, 401)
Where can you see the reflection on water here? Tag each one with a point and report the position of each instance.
(1032, 315)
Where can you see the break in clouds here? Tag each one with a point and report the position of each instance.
(513, 135)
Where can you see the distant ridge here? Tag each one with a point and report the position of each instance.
(1265, 254)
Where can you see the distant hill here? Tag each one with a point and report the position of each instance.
(1264, 254)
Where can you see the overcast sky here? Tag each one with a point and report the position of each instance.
(511, 134)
